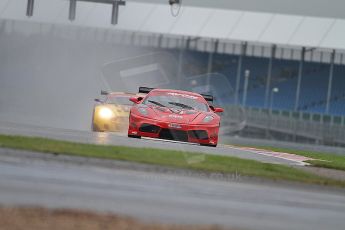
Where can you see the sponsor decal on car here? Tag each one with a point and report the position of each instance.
(175, 126)
(175, 116)
(183, 95)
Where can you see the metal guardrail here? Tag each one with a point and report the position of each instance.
(324, 128)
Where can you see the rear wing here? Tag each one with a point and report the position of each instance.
(207, 97)
(103, 92)
(145, 90)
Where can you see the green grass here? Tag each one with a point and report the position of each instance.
(177, 159)
(323, 160)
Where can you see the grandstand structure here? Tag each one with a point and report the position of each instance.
(294, 51)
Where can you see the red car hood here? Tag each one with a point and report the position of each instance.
(179, 116)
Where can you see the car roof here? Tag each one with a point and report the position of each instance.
(177, 91)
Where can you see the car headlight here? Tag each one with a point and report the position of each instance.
(106, 113)
(208, 119)
(143, 111)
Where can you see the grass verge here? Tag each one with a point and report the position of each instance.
(323, 160)
(177, 159)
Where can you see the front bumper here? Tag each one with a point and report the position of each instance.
(117, 124)
(202, 134)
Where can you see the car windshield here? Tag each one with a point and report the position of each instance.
(119, 100)
(176, 102)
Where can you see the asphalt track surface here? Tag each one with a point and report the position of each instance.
(123, 140)
(164, 197)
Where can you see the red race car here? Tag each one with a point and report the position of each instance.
(174, 115)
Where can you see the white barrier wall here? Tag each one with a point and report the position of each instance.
(319, 30)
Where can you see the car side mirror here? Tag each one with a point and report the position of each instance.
(98, 100)
(135, 100)
(218, 110)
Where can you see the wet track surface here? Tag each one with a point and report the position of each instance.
(116, 139)
(167, 198)
(50, 78)
(173, 198)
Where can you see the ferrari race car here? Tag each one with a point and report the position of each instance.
(174, 115)
(112, 113)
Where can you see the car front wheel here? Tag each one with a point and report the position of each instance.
(208, 145)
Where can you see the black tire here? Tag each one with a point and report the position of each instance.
(208, 145)
(134, 136)
(96, 129)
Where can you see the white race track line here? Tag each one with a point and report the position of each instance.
(300, 160)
